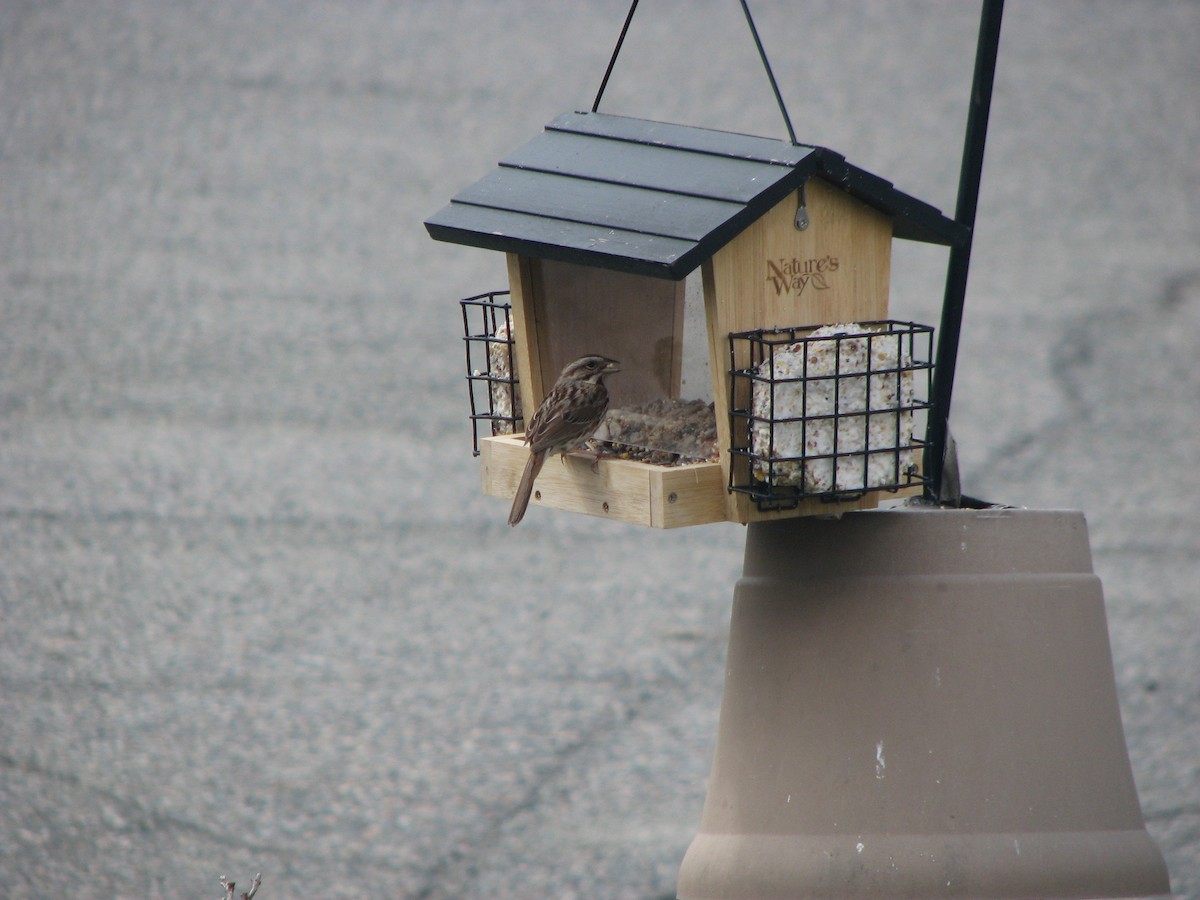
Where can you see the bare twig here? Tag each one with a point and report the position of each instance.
(230, 886)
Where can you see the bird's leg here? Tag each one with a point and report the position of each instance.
(584, 450)
(595, 454)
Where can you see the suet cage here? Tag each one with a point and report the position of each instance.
(829, 412)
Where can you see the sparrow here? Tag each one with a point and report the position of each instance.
(568, 416)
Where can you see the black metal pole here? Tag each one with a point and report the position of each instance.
(960, 255)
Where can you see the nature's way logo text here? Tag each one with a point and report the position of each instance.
(792, 276)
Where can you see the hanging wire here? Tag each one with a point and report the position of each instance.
(616, 50)
(762, 55)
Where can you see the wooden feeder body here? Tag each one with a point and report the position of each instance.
(774, 275)
(616, 287)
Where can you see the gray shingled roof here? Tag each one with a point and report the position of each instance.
(652, 198)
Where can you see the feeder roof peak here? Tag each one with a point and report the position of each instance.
(653, 198)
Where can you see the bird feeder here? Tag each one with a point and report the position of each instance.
(743, 284)
(919, 702)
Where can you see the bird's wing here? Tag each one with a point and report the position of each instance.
(568, 427)
(586, 416)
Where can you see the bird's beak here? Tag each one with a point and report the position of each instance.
(611, 366)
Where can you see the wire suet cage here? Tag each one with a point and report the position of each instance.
(491, 365)
(828, 412)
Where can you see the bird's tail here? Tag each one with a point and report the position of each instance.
(525, 488)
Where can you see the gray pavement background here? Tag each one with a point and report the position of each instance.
(254, 614)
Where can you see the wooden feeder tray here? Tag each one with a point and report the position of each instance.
(625, 490)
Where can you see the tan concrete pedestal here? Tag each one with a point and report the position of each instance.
(920, 703)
